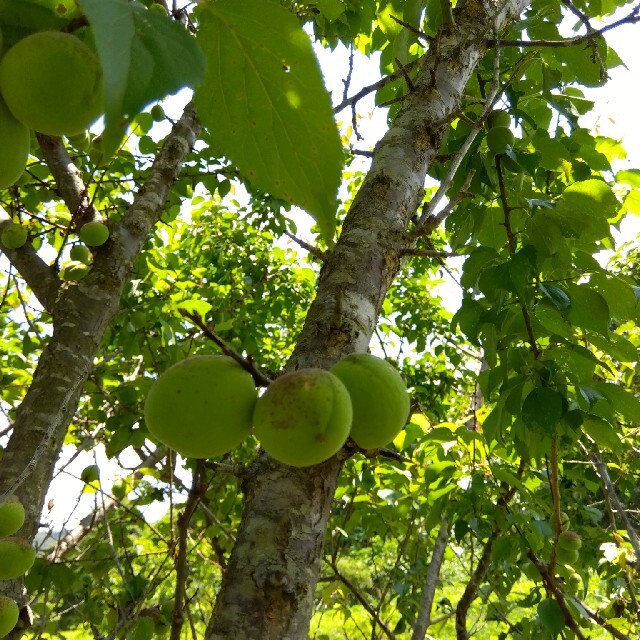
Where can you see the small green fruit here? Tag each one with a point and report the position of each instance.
(379, 398)
(52, 83)
(567, 556)
(304, 417)
(499, 118)
(569, 540)
(11, 517)
(9, 614)
(90, 474)
(81, 142)
(158, 8)
(14, 150)
(14, 236)
(499, 138)
(16, 558)
(74, 270)
(202, 406)
(574, 582)
(80, 253)
(94, 234)
(157, 112)
(564, 521)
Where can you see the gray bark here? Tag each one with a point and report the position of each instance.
(431, 582)
(81, 312)
(268, 587)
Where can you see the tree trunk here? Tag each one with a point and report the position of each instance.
(81, 312)
(268, 587)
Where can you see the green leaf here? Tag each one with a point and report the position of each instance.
(552, 152)
(616, 346)
(265, 105)
(589, 309)
(619, 295)
(551, 616)
(630, 177)
(551, 319)
(558, 296)
(591, 197)
(602, 432)
(331, 9)
(623, 401)
(145, 56)
(542, 409)
(36, 14)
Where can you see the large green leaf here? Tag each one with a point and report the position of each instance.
(602, 433)
(265, 105)
(588, 309)
(145, 56)
(623, 401)
(542, 409)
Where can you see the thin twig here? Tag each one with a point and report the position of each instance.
(398, 73)
(182, 569)
(248, 364)
(431, 581)
(362, 600)
(314, 251)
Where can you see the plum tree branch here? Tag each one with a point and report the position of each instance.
(68, 177)
(423, 621)
(182, 569)
(248, 364)
(81, 314)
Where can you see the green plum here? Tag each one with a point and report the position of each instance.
(14, 150)
(16, 558)
(94, 234)
(379, 398)
(9, 614)
(202, 406)
(11, 516)
(499, 139)
(52, 83)
(304, 417)
(14, 236)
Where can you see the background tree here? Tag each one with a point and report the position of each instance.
(524, 403)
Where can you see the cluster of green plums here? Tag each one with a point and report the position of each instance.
(16, 558)
(500, 138)
(568, 547)
(92, 234)
(50, 82)
(205, 406)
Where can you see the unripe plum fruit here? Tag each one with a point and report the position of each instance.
(14, 150)
(499, 118)
(564, 521)
(74, 270)
(94, 234)
(11, 517)
(304, 417)
(16, 558)
(80, 253)
(14, 236)
(81, 141)
(202, 406)
(9, 614)
(567, 556)
(379, 398)
(52, 83)
(90, 474)
(499, 138)
(569, 540)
